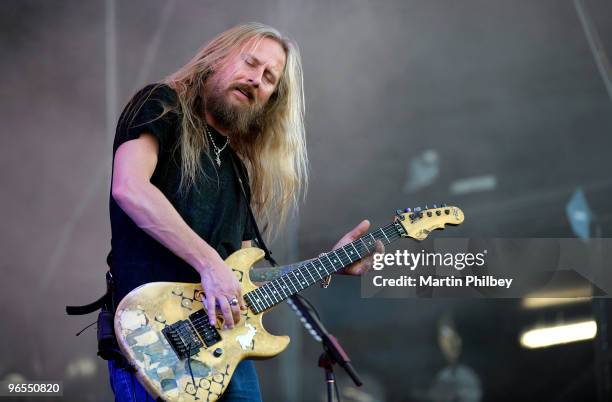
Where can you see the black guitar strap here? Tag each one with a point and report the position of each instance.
(240, 174)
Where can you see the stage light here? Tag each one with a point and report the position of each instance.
(559, 334)
(557, 297)
(541, 302)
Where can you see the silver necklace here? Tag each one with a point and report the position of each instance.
(215, 148)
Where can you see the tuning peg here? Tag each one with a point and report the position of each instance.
(398, 212)
(417, 209)
(408, 210)
(435, 206)
(444, 205)
(426, 208)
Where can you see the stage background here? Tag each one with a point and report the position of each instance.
(499, 107)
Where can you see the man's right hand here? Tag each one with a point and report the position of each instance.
(220, 287)
(134, 164)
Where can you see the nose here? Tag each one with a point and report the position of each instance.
(254, 77)
(254, 81)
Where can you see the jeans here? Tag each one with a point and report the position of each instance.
(243, 387)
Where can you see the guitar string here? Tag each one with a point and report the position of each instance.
(270, 290)
(204, 324)
(205, 321)
(389, 237)
(394, 234)
(330, 268)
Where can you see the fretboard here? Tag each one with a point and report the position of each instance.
(313, 271)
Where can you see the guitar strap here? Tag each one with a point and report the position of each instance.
(108, 349)
(240, 175)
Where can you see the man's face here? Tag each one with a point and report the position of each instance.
(237, 92)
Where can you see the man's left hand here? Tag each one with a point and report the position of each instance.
(365, 264)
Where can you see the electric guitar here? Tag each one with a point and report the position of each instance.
(163, 330)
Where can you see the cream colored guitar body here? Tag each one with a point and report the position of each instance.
(147, 310)
(160, 324)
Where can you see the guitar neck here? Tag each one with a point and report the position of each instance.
(280, 289)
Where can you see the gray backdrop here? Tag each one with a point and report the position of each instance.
(499, 107)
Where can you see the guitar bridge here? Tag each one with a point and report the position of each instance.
(187, 337)
(183, 338)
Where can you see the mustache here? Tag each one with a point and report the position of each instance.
(246, 89)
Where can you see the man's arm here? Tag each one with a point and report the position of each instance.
(147, 206)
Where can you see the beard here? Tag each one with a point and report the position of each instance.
(242, 122)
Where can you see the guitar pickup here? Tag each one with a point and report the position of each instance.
(207, 332)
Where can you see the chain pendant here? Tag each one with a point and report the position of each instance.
(217, 150)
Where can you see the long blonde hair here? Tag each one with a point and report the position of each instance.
(276, 159)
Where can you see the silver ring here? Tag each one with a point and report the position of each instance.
(233, 302)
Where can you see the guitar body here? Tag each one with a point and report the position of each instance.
(149, 310)
(162, 328)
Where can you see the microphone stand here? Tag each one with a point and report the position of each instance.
(332, 350)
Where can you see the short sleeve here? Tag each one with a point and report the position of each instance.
(151, 110)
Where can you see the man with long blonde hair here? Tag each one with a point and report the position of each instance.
(176, 206)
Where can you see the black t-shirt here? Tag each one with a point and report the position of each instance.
(214, 207)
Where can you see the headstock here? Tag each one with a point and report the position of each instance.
(419, 222)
